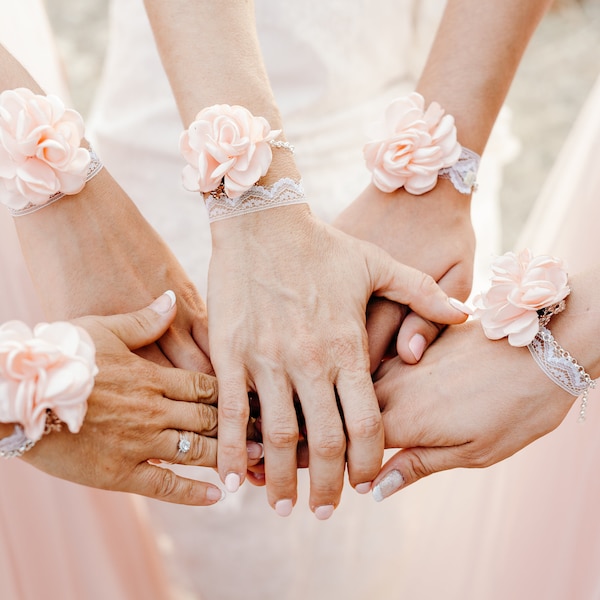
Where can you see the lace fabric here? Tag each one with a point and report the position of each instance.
(561, 367)
(463, 174)
(284, 192)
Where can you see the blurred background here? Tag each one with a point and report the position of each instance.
(558, 70)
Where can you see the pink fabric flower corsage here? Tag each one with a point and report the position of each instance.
(40, 153)
(411, 145)
(522, 285)
(52, 367)
(226, 145)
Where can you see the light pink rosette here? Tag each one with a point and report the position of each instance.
(40, 153)
(521, 285)
(411, 145)
(52, 367)
(226, 144)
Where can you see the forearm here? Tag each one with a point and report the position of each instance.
(211, 54)
(474, 58)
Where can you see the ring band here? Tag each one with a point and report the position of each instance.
(183, 447)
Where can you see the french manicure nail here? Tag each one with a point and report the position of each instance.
(215, 494)
(417, 345)
(363, 488)
(284, 508)
(255, 450)
(232, 482)
(461, 306)
(163, 304)
(324, 512)
(391, 483)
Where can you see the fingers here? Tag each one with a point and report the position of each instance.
(409, 465)
(383, 322)
(187, 448)
(162, 484)
(326, 447)
(145, 326)
(411, 287)
(364, 426)
(191, 386)
(181, 349)
(280, 432)
(416, 333)
(234, 412)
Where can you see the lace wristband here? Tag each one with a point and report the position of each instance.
(41, 157)
(413, 147)
(282, 193)
(561, 367)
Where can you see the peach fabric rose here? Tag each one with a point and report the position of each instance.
(226, 144)
(40, 153)
(521, 285)
(411, 145)
(52, 367)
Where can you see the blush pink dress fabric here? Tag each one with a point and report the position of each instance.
(59, 540)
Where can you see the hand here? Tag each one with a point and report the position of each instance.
(287, 299)
(135, 414)
(107, 259)
(470, 402)
(432, 233)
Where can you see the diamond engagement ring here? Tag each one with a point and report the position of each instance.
(183, 447)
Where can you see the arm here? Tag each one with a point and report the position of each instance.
(470, 67)
(106, 258)
(287, 294)
(472, 402)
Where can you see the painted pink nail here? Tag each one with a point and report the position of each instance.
(214, 494)
(255, 450)
(163, 304)
(232, 482)
(284, 508)
(324, 512)
(363, 488)
(416, 345)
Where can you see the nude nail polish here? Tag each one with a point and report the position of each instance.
(363, 488)
(284, 507)
(163, 304)
(324, 512)
(461, 306)
(416, 345)
(232, 482)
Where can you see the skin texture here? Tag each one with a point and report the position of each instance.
(450, 411)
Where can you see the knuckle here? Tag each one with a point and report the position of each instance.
(418, 466)
(234, 412)
(426, 285)
(207, 416)
(351, 350)
(205, 387)
(281, 438)
(202, 452)
(365, 427)
(164, 484)
(329, 446)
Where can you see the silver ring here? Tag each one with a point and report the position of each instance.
(184, 445)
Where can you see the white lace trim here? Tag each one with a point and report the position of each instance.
(463, 174)
(561, 367)
(94, 168)
(282, 193)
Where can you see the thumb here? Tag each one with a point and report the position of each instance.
(409, 286)
(145, 326)
(410, 465)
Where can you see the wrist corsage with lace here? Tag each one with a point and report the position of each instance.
(46, 377)
(41, 157)
(412, 147)
(525, 292)
(228, 150)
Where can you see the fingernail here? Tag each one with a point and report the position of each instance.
(417, 345)
(232, 482)
(324, 512)
(363, 488)
(391, 483)
(214, 494)
(461, 306)
(163, 304)
(284, 508)
(255, 450)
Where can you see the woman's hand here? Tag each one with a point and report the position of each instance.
(135, 414)
(287, 299)
(107, 259)
(432, 233)
(470, 402)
